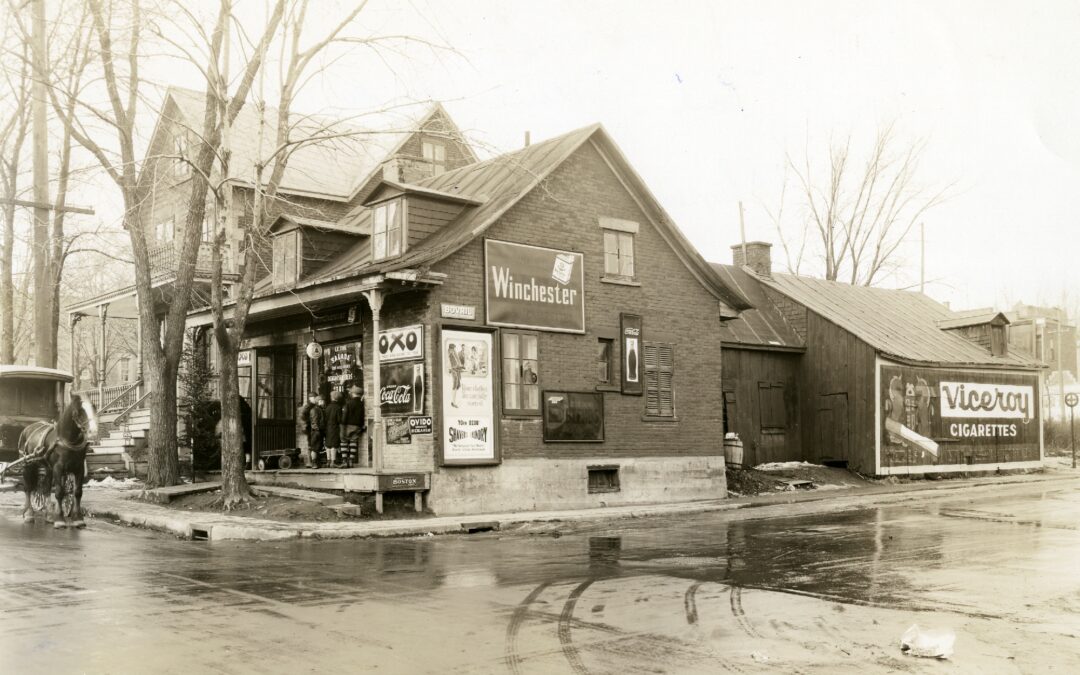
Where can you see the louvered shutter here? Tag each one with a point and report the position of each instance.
(659, 380)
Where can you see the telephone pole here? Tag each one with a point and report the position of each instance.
(44, 343)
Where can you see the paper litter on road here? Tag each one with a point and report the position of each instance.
(933, 644)
(778, 466)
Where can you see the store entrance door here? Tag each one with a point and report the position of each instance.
(275, 400)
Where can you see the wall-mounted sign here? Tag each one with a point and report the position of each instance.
(244, 358)
(464, 312)
(313, 350)
(934, 416)
(420, 425)
(630, 330)
(401, 344)
(401, 389)
(398, 431)
(468, 399)
(534, 287)
(401, 481)
(571, 416)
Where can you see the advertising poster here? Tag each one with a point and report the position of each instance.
(933, 416)
(401, 344)
(631, 353)
(468, 397)
(573, 416)
(401, 389)
(534, 287)
(398, 431)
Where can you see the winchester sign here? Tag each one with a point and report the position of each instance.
(534, 287)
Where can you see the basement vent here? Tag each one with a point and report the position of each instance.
(603, 479)
(200, 535)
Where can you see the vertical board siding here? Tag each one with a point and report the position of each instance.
(747, 373)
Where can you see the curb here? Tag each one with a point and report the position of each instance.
(221, 527)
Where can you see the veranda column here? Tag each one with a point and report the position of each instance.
(374, 298)
(103, 311)
(139, 353)
(73, 320)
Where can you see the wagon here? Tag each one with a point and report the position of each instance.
(283, 458)
(29, 394)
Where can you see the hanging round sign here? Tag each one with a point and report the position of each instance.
(314, 350)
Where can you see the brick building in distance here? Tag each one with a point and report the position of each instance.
(536, 331)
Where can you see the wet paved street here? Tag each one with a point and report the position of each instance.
(721, 592)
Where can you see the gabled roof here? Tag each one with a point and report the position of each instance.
(388, 189)
(334, 169)
(500, 183)
(761, 326)
(902, 325)
(288, 222)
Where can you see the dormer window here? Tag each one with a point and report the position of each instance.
(435, 155)
(286, 260)
(388, 231)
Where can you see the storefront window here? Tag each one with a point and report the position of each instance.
(341, 367)
(521, 373)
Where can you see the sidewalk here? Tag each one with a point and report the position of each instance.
(118, 505)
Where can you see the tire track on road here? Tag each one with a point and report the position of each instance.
(512, 658)
(569, 650)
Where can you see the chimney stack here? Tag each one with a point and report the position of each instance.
(758, 257)
(528, 138)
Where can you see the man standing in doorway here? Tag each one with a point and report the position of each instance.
(354, 421)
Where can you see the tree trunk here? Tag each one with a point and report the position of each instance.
(163, 465)
(7, 287)
(234, 486)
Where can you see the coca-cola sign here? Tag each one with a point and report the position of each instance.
(401, 390)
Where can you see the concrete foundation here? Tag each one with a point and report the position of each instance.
(547, 484)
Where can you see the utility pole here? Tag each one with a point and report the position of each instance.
(44, 347)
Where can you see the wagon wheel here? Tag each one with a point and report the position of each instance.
(39, 498)
(284, 462)
(262, 465)
(68, 505)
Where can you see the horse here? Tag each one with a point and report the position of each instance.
(64, 443)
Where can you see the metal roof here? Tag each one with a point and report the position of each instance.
(35, 372)
(498, 184)
(761, 326)
(898, 324)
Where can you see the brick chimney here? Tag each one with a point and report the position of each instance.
(758, 257)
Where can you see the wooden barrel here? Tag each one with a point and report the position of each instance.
(733, 452)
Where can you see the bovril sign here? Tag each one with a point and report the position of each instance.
(534, 287)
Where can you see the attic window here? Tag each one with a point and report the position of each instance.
(435, 155)
(388, 230)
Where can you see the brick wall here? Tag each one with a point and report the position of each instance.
(564, 214)
(793, 312)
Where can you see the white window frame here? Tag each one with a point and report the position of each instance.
(165, 230)
(388, 229)
(620, 249)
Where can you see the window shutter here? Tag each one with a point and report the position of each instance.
(659, 361)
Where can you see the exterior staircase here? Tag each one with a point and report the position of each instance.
(127, 432)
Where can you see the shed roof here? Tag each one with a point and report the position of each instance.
(762, 325)
(899, 324)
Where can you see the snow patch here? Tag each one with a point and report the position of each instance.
(780, 466)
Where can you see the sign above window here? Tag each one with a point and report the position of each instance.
(534, 287)
(401, 344)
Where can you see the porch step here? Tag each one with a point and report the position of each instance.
(112, 444)
(303, 495)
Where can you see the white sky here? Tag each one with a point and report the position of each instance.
(705, 98)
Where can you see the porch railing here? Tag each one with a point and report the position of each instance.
(164, 259)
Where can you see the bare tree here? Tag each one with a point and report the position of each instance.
(857, 214)
(12, 135)
(269, 170)
(117, 30)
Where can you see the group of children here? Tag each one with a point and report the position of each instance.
(330, 425)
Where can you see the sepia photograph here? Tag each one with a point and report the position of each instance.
(539, 336)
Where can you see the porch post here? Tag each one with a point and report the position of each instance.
(375, 300)
(73, 320)
(103, 311)
(139, 352)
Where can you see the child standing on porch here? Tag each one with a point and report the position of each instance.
(317, 418)
(333, 429)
